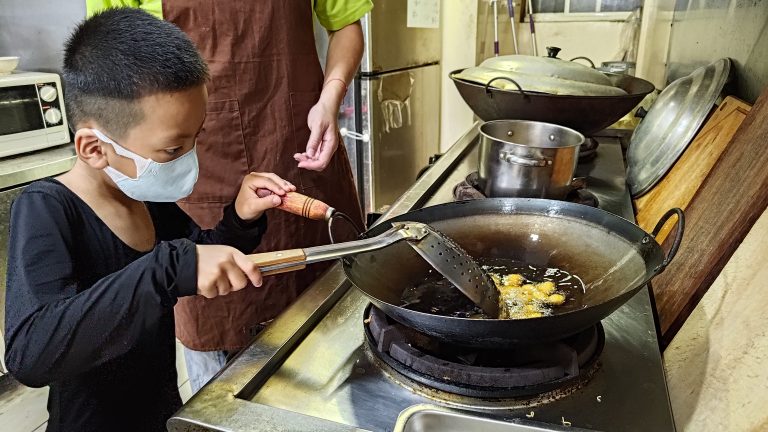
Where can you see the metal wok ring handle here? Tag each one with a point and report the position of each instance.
(678, 235)
(584, 58)
(339, 215)
(488, 90)
(515, 159)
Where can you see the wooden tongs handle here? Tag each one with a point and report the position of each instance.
(296, 259)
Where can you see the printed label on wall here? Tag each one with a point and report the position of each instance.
(423, 13)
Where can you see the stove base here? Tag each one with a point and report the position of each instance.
(530, 370)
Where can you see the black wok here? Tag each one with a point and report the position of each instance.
(586, 114)
(614, 258)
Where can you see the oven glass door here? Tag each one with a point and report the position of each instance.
(20, 110)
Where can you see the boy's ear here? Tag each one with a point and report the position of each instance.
(89, 149)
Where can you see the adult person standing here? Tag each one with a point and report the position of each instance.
(270, 109)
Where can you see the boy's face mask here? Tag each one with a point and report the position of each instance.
(154, 182)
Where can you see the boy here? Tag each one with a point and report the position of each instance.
(99, 255)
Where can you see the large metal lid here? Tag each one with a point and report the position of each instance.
(671, 124)
(541, 74)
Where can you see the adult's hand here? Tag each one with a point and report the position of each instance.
(345, 49)
(324, 130)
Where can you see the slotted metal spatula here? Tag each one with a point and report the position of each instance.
(456, 265)
(445, 256)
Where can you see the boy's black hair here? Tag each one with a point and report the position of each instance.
(120, 55)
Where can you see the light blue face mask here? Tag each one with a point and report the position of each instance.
(155, 181)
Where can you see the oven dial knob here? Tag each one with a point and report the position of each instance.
(48, 93)
(53, 116)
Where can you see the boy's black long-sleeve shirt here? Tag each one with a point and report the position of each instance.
(93, 318)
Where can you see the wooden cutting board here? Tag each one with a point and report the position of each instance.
(721, 213)
(677, 188)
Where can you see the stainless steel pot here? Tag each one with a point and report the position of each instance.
(528, 159)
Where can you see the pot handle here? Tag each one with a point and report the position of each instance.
(591, 63)
(579, 182)
(515, 159)
(488, 90)
(678, 235)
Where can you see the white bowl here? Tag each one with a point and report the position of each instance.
(8, 64)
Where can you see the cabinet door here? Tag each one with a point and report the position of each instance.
(404, 128)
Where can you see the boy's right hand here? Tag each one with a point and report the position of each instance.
(223, 269)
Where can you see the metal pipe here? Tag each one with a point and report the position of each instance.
(495, 27)
(511, 10)
(533, 28)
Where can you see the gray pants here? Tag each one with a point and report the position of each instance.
(202, 366)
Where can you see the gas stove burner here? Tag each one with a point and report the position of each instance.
(469, 189)
(588, 150)
(583, 197)
(527, 371)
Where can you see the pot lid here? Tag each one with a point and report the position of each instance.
(547, 67)
(671, 124)
(541, 74)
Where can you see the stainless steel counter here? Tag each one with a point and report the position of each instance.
(19, 170)
(310, 370)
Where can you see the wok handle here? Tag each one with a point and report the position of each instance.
(296, 259)
(488, 90)
(678, 235)
(280, 257)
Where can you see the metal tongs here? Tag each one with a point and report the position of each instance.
(440, 251)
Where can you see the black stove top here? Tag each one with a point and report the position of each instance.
(554, 368)
(469, 189)
(588, 150)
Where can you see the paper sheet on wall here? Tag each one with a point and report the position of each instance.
(423, 13)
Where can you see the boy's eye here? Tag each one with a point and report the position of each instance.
(172, 151)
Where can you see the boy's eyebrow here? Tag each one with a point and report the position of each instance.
(185, 135)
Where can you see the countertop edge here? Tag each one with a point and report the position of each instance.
(25, 168)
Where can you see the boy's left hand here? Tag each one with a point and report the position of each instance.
(251, 201)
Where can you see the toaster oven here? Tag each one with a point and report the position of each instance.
(32, 112)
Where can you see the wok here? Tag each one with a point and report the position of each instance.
(586, 114)
(614, 258)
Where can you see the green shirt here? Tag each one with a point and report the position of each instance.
(332, 14)
(155, 7)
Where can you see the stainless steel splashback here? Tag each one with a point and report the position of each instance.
(704, 31)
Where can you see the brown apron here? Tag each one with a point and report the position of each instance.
(265, 77)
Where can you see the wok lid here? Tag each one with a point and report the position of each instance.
(671, 124)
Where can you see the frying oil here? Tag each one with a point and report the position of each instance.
(436, 295)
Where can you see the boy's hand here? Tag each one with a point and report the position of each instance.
(260, 192)
(223, 269)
